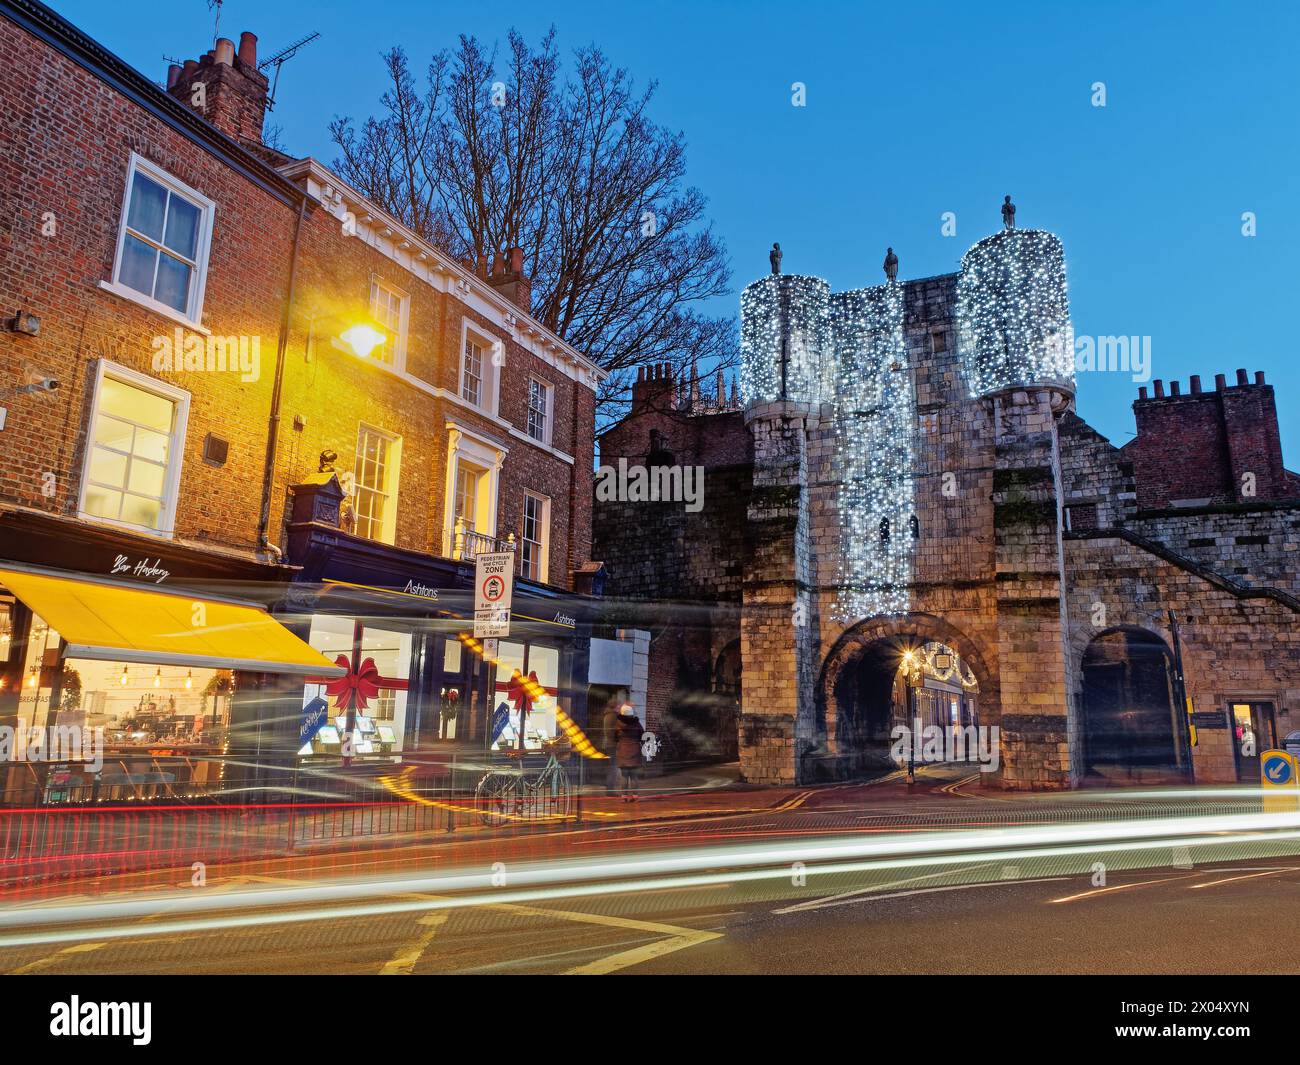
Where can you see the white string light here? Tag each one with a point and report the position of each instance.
(850, 350)
(1013, 313)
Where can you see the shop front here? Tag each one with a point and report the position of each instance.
(399, 626)
(134, 669)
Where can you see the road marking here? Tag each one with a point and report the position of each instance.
(1120, 887)
(813, 904)
(41, 963)
(794, 802)
(937, 890)
(679, 938)
(1230, 879)
(402, 964)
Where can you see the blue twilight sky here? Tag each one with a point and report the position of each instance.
(913, 109)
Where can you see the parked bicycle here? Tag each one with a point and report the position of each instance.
(509, 794)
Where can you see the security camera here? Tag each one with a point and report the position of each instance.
(41, 384)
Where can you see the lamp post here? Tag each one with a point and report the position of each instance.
(1180, 689)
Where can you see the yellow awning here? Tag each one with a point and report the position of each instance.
(116, 624)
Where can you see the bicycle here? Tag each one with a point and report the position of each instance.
(504, 795)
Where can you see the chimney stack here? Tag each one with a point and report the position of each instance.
(225, 87)
(510, 280)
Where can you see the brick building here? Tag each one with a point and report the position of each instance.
(916, 525)
(227, 374)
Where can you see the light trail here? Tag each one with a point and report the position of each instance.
(686, 868)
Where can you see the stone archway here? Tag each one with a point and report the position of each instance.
(1133, 728)
(855, 683)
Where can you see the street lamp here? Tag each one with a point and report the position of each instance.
(362, 338)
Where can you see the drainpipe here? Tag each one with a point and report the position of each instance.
(273, 423)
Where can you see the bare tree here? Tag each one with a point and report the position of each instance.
(489, 154)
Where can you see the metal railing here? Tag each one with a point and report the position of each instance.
(468, 544)
(143, 812)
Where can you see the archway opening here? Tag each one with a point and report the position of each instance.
(1131, 722)
(922, 686)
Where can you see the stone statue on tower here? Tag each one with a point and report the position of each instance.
(891, 264)
(774, 257)
(1008, 213)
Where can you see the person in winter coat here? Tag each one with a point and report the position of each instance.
(627, 750)
(609, 739)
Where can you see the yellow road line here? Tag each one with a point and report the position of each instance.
(1230, 879)
(1119, 887)
(41, 963)
(401, 964)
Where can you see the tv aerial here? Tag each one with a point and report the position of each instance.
(278, 60)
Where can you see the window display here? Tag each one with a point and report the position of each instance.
(375, 689)
(527, 680)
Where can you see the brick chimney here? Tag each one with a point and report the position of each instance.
(1199, 447)
(225, 87)
(654, 388)
(509, 279)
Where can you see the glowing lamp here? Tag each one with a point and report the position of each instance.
(362, 339)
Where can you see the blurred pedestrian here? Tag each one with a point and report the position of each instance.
(609, 739)
(627, 753)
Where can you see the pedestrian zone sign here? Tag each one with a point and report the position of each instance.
(494, 580)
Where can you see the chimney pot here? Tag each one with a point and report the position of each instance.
(1259, 377)
(225, 51)
(173, 74)
(1142, 392)
(1175, 388)
(1196, 384)
(191, 65)
(248, 49)
(1160, 388)
(516, 260)
(1220, 382)
(1242, 379)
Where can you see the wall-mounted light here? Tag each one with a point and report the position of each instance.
(361, 339)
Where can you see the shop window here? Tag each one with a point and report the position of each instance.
(378, 459)
(162, 250)
(539, 410)
(375, 691)
(535, 541)
(133, 452)
(540, 665)
(388, 306)
(147, 705)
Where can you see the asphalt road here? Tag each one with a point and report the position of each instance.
(1045, 908)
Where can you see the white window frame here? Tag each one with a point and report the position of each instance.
(489, 370)
(176, 450)
(388, 526)
(548, 410)
(398, 337)
(484, 455)
(544, 545)
(193, 313)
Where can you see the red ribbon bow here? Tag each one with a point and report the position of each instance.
(357, 686)
(519, 692)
